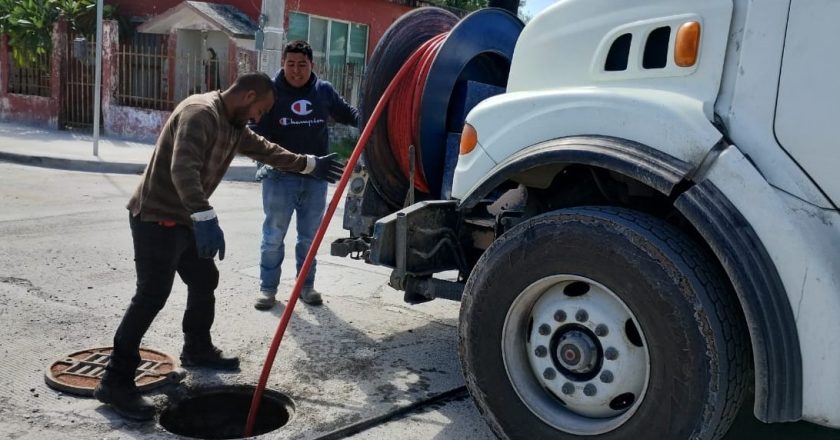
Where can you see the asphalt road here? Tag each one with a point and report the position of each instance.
(364, 363)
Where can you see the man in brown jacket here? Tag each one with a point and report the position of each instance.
(175, 229)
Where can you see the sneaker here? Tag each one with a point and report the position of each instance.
(311, 296)
(124, 398)
(208, 356)
(264, 302)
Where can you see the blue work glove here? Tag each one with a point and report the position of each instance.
(209, 237)
(327, 167)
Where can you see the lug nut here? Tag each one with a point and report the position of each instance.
(545, 329)
(601, 330)
(607, 376)
(549, 373)
(582, 316)
(611, 354)
(590, 390)
(560, 316)
(568, 389)
(541, 351)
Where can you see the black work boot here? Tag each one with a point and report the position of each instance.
(311, 296)
(124, 398)
(200, 352)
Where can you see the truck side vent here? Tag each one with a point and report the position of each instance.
(656, 48)
(618, 54)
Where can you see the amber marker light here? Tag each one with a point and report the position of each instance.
(688, 44)
(469, 139)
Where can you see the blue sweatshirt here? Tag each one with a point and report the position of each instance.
(298, 119)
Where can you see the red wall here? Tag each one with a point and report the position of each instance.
(144, 8)
(378, 14)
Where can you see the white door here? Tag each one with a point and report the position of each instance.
(808, 107)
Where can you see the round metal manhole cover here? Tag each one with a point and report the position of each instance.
(79, 373)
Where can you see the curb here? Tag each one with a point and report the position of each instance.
(239, 173)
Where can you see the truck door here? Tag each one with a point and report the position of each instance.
(808, 105)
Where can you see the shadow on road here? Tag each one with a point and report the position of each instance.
(392, 372)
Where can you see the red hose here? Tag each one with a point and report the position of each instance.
(427, 51)
(404, 112)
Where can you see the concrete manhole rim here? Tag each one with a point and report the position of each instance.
(84, 368)
(193, 392)
(198, 390)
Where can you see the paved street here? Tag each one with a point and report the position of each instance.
(66, 276)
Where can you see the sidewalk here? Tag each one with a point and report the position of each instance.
(67, 150)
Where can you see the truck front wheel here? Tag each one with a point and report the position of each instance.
(602, 323)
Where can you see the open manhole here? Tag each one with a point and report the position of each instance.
(78, 373)
(221, 412)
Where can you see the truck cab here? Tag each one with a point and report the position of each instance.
(645, 223)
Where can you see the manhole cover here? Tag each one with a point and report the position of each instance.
(221, 412)
(79, 373)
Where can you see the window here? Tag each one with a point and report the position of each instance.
(334, 42)
(318, 39)
(338, 43)
(357, 51)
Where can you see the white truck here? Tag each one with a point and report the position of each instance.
(645, 223)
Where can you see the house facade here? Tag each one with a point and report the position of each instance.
(139, 11)
(322, 22)
(178, 47)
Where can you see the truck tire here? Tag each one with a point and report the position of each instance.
(602, 323)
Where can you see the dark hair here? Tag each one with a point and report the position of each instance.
(298, 46)
(256, 81)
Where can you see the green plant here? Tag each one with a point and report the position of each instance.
(343, 145)
(470, 5)
(464, 5)
(85, 22)
(29, 24)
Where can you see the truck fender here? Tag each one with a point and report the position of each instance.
(514, 124)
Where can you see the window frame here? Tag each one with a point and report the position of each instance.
(329, 32)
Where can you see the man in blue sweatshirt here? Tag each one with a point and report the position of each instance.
(297, 121)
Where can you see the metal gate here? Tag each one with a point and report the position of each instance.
(79, 70)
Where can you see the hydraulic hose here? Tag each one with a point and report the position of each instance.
(471, 64)
(404, 112)
(411, 71)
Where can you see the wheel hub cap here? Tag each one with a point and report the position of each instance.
(577, 352)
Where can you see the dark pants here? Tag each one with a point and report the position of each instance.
(160, 252)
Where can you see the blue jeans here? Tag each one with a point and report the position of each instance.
(283, 194)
